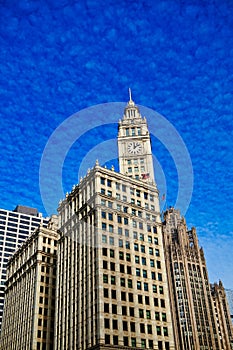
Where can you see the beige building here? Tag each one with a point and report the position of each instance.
(28, 320)
(112, 284)
(201, 319)
(223, 316)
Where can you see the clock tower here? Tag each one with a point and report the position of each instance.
(134, 145)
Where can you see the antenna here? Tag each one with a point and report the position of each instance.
(130, 95)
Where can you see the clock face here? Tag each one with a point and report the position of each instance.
(134, 147)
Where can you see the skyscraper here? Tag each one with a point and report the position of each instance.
(112, 283)
(201, 318)
(28, 321)
(15, 227)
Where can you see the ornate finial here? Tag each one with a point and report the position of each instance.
(112, 168)
(96, 162)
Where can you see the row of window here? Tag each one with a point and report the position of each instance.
(130, 326)
(124, 209)
(142, 343)
(128, 269)
(125, 221)
(129, 283)
(123, 188)
(111, 254)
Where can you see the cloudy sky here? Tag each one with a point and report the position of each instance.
(60, 57)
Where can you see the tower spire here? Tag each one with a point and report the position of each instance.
(131, 102)
(130, 95)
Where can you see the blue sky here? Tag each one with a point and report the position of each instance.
(58, 58)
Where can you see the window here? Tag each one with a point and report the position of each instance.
(107, 339)
(111, 240)
(104, 226)
(138, 193)
(141, 313)
(136, 259)
(126, 221)
(157, 252)
(113, 280)
(130, 284)
(122, 268)
(161, 289)
(154, 229)
(142, 249)
(139, 285)
(126, 341)
(119, 231)
(138, 272)
(123, 188)
(142, 328)
(118, 196)
(105, 278)
(133, 211)
(121, 255)
(162, 303)
(119, 220)
(132, 326)
(122, 280)
(104, 251)
(104, 239)
(117, 186)
(156, 302)
(125, 209)
(151, 252)
(160, 277)
(131, 311)
(144, 273)
(135, 246)
(141, 237)
(148, 228)
(102, 181)
(111, 253)
(125, 326)
(128, 257)
(113, 294)
(127, 245)
(152, 275)
(152, 263)
(120, 243)
(124, 199)
(146, 287)
(133, 342)
(148, 314)
(143, 342)
(164, 317)
(123, 296)
(106, 323)
(158, 265)
(129, 270)
(109, 193)
(157, 316)
(151, 345)
(110, 227)
(114, 309)
(105, 292)
(124, 310)
(135, 235)
(110, 216)
(130, 295)
(127, 131)
(156, 241)
(158, 329)
(139, 299)
(147, 300)
(105, 264)
(114, 324)
(102, 191)
(106, 307)
(118, 207)
(126, 233)
(143, 261)
(154, 288)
